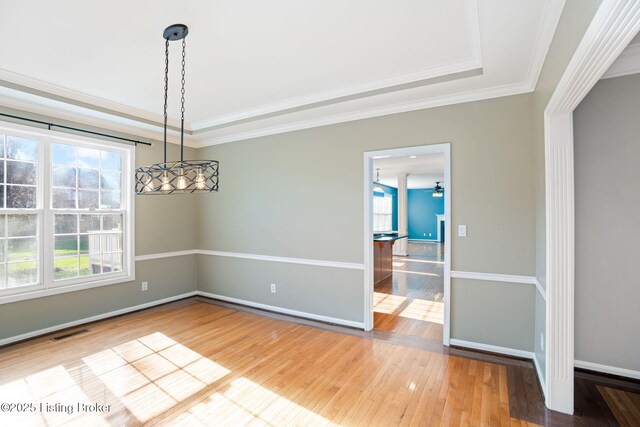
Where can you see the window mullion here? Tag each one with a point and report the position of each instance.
(46, 262)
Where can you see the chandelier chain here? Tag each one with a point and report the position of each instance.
(166, 91)
(184, 44)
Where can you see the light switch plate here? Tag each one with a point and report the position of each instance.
(462, 231)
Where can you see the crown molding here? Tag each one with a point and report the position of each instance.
(334, 96)
(109, 123)
(627, 63)
(54, 92)
(477, 95)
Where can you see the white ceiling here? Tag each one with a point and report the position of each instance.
(256, 68)
(423, 171)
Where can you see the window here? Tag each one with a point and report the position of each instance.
(65, 214)
(382, 213)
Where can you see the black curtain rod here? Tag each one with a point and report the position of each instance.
(50, 125)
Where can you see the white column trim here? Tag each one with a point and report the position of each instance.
(614, 25)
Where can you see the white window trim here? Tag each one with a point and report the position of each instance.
(47, 286)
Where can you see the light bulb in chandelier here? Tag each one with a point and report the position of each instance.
(166, 184)
(200, 180)
(182, 181)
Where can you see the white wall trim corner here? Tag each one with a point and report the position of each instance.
(290, 312)
(541, 378)
(493, 348)
(541, 290)
(614, 24)
(622, 372)
(43, 331)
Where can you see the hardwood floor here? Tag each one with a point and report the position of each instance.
(192, 363)
(410, 301)
(200, 362)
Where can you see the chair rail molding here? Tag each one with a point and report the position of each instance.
(613, 26)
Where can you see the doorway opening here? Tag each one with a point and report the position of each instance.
(407, 241)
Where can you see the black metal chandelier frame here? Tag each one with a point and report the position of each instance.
(184, 176)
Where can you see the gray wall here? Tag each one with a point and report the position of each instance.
(607, 150)
(163, 224)
(576, 17)
(300, 195)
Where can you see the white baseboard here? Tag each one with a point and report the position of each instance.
(543, 384)
(50, 329)
(282, 310)
(607, 369)
(492, 348)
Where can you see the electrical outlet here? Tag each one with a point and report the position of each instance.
(541, 341)
(462, 231)
(145, 286)
(273, 288)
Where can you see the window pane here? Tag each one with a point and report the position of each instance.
(110, 180)
(112, 222)
(111, 262)
(66, 245)
(88, 158)
(22, 249)
(89, 223)
(87, 199)
(65, 223)
(110, 200)
(2, 217)
(63, 154)
(63, 198)
(2, 189)
(22, 273)
(22, 148)
(64, 177)
(1, 146)
(3, 277)
(2, 171)
(88, 178)
(90, 244)
(111, 243)
(21, 173)
(22, 225)
(110, 160)
(87, 267)
(65, 268)
(19, 197)
(2, 243)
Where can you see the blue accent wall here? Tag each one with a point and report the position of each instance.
(394, 195)
(422, 208)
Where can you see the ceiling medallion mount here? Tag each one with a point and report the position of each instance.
(183, 176)
(175, 32)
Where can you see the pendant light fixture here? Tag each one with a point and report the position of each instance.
(184, 176)
(377, 188)
(438, 191)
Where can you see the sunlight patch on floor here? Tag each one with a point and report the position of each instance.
(428, 311)
(420, 273)
(387, 304)
(424, 261)
(244, 402)
(153, 373)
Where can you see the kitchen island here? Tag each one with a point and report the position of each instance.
(383, 254)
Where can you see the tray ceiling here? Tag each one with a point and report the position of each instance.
(257, 68)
